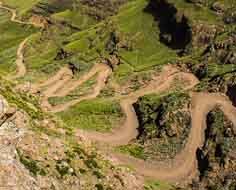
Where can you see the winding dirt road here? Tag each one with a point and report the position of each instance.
(123, 134)
(184, 165)
(63, 83)
(14, 17)
(21, 69)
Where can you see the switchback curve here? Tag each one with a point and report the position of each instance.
(183, 166)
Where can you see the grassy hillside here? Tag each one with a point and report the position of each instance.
(137, 43)
(135, 38)
(11, 36)
(134, 30)
(98, 114)
(22, 6)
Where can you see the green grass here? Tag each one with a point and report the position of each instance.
(134, 150)
(41, 52)
(31, 164)
(75, 18)
(98, 114)
(157, 185)
(196, 13)
(29, 104)
(12, 35)
(39, 58)
(148, 51)
(136, 25)
(88, 45)
(84, 89)
(22, 6)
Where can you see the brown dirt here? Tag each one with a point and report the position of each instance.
(21, 69)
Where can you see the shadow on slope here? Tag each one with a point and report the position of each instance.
(175, 31)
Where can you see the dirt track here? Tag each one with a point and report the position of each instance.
(126, 132)
(63, 83)
(21, 69)
(14, 17)
(183, 166)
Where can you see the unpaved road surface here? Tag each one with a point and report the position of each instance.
(14, 17)
(63, 83)
(184, 165)
(21, 69)
(123, 134)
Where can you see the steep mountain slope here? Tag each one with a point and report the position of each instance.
(117, 94)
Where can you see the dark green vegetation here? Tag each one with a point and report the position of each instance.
(21, 6)
(211, 55)
(164, 123)
(157, 185)
(216, 159)
(175, 30)
(31, 164)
